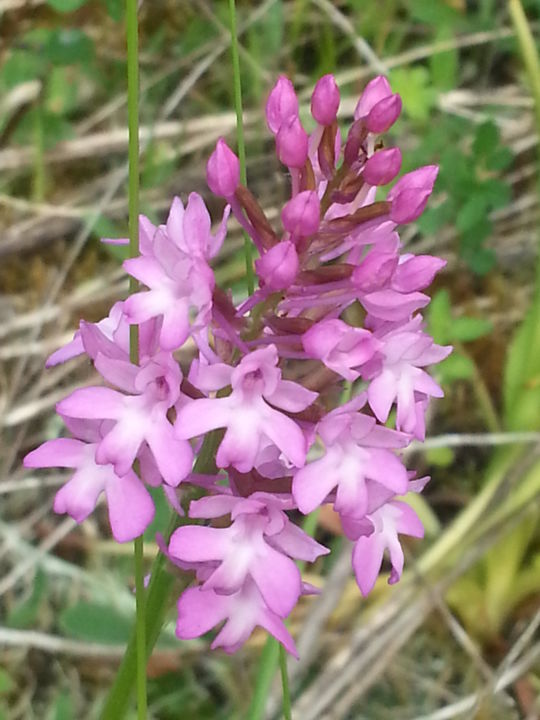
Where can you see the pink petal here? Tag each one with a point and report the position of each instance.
(93, 403)
(287, 435)
(278, 580)
(195, 543)
(313, 482)
(381, 394)
(199, 611)
(72, 349)
(131, 508)
(173, 457)
(200, 416)
(175, 328)
(79, 496)
(367, 560)
(291, 396)
(62, 452)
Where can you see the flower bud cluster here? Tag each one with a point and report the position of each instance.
(337, 308)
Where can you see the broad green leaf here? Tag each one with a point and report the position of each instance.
(6, 682)
(486, 139)
(440, 317)
(68, 47)
(66, 6)
(161, 517)
(21, 66)
(414, 87)
(94, 622)
(521, 385)
(466, 329)
(104, 227)
(61, 91)
(434, 12)
(471, 214)
(480, 259)
(63, 707)
(500, 159)
(115, 9)
(444, 66)
(440, 457)
(25, 614)
(455, 367)
(502, 564)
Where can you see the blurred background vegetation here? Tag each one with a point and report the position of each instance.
(459, 637)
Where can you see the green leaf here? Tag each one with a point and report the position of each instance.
(480, 259)
(66, 6)
(104, 227)
(444, 66)
(471, 214)
(61, 92)
(54, 128)
(521, 385)
(455, 367)
(158, 167)
(434, 12)
(94, 622)
(115, 9)
(68, 47)
(63, 707)
(161, 517)
(434, 218)
(440, 317)
(424, 511)
(466, 329)
(440, 457)
(6, 682)
(413, 84)
(26, 613)
(486, 139)
(500, 159)
(494, 192)
(21, 66)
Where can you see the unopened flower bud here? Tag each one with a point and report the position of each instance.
(375, 91)
(278, 267)
(410, 194)
(223, 170)
(382, 167)
(282, 104)
(384, 114)
(292, 143)
(301, 215)
(325, 100)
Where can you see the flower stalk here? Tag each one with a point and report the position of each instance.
(132, 37)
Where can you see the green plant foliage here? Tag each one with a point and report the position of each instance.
(472, 188)
(66, 6)
(19, 67)
(95, 622)
(63, 707)
(418, 94)
(115, 9)
(447, 329)
(26, 613)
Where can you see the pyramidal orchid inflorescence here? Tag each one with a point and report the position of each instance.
(338, 301)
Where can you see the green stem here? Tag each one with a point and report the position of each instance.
(237, 81)
(157, 600)
(270, 656)
(287, 712)
(531, 60)
(267, 669)
(140, 601)
(132, 36)
(38, 186)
